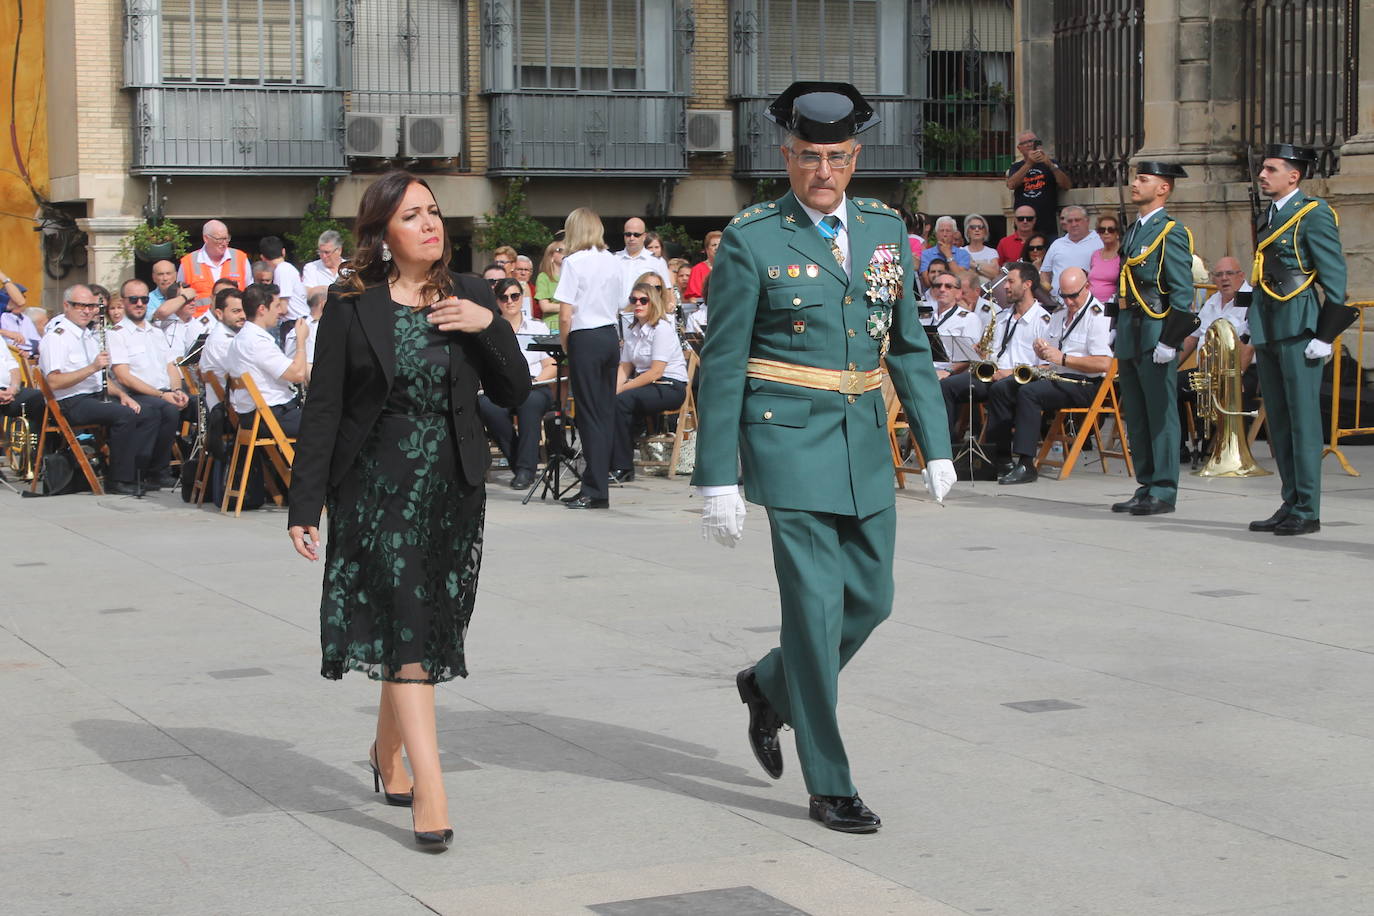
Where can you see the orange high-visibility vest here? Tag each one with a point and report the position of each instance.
(198, 276)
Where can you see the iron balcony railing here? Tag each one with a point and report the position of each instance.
(228, 130)
(552, 133)
(890, 149)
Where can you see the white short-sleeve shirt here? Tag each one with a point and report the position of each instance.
(1013, 343)
(215, 359)
(1064, 253)
(591, 284)
(288, 280)
(7, 365)
(316, 274)
(957, 323)
(1212, 309)
(256, 354)
(289, 345)
(529, 327)
(646, 344)
(1086, 333)
(67, 348)
(143, 349)
(642, 263)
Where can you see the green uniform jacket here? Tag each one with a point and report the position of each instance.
(777, 293)
(1167, 271)
(1313, 244)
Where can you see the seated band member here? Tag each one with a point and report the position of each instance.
(652, 376)
(1076, 345)
(316, 304)
(951, 319)
(1231, 301)
(73, 362)
(520, 444)
(146, 369)
(1012, 343)
(15, 399)
(214, 358)
(973, 300)
(255, 353)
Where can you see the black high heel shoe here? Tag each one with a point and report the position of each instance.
(432, 840)
(399, 799)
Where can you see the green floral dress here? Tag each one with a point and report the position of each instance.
(405, 531)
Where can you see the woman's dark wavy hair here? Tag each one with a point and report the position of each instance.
(380, 201)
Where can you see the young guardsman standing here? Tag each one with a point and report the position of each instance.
(1299, 243)
(807, 295)
(1156, 292)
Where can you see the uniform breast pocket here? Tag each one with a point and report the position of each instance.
(798, 309)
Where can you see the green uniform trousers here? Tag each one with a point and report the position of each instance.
(835, 581)
(1291, 386)
(1149, 401)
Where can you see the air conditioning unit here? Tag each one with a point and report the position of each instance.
(371, 135)
(431, 136)
(710, 131)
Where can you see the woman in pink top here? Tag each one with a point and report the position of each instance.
(1104, 270)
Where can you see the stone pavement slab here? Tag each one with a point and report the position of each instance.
(1069, 712)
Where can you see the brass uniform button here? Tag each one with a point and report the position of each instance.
(851, 399)
(848, 300)
(768, 414)
(852, 367)
(796, 300)
(851, 332)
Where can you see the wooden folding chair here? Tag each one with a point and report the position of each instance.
(249, 438)
(55, 423)
(1106, 404)
(896, 424)
(201, 485)
(686, 416)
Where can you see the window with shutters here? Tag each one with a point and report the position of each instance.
(236, 42)
(592, 45)
(856, 41)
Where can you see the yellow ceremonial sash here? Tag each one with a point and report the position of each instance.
(1128, 279)
(1257, 268)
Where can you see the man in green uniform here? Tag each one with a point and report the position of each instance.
(808, 294)
(1298, 243)
(1154, 319)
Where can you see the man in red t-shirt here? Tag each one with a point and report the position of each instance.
(1009, 249)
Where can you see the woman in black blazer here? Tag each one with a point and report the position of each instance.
(391, 441)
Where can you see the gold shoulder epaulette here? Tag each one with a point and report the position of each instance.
(751, 213)
(57, 330)
(1097, 309)
(1045, 317)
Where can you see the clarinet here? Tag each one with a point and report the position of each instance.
(101, 320)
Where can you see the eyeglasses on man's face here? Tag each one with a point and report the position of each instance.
(133, 299)
(1226, 273)
(83, 305)
(222, 239)
(1025, 219)
(633, 235)
(944, 285)
(811, 160)
(1065, 294)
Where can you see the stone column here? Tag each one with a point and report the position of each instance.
(105, 265)
(1357, 155)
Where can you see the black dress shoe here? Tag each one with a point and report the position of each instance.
(1023, 472)
(1151, 506)
(1294, 525)
(624, 476)
(522, 480)
(568, 499)
(847, 814)
(1003, 467)
(764, 723)
(1128, 505)
(1273, 521)
(123, 488)
(586, 502)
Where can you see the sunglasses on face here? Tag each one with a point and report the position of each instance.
(633, 235)
(512, 297)
(639, 300)
(944, 286)
(1112, 229)
(1025, 219)
(1073, 295)
(1036, 247)
(132, 299)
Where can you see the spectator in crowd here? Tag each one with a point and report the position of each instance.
(982, 307)
(493, 272)
(635, 259)
(652, 376)
(254, 353)
(696, 284)
(504, 257)
(1104, 271)
(214, 359)
(287, 277)
(550, 267)
(935, 266)
(1034, 252)
(39, 317)
(523, 272)
(654, 245)
(952, 320)
(15, 399)
(675, 271)
(916, 225)
(1012, 247)
(945, 247)
(1073, 249)
(170, 300)
(316, 301)
(110, 305)
(682, 275)
(16, 326)
(1036, 181)
(589, 298)
(143, 364)
(74, 364)
(519, 440)
(319, 274)
(200, 269)
(982, 257)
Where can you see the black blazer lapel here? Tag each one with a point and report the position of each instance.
(374, 317)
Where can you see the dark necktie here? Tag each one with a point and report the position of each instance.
(830, 228)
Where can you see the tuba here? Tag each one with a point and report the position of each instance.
(1217, 383)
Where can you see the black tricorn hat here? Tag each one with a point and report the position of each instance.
(1170, 170)
(1303, 154)
(820, 112)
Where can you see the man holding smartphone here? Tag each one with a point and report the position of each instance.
(1036, 181)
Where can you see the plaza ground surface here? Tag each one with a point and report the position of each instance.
(1069, 712)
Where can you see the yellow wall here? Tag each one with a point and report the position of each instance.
(19, 248)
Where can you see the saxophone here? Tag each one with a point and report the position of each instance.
(1024, 373)
(984, 369)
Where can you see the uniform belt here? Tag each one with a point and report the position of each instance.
(1283, 282)
(845, 381)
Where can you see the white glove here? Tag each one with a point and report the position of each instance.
(1317, 349)
(1164, 353)
(939, 477)
(722, 517)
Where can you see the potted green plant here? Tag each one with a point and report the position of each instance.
(155, 242)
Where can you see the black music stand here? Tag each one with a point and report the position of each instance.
(560, 437)
(963, 349)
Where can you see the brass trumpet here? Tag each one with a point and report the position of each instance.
(1024, 373)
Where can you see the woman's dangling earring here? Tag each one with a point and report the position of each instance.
(386, 252)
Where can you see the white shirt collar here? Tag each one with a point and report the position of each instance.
(204, 258)
(842, 211)
(1283, 201)
(1146, 218)
(644, 255)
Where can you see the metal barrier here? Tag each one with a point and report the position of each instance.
(1339, 432)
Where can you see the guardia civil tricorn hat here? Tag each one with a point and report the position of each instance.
(820, 112)
(1302, 158)
(1171, 170)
